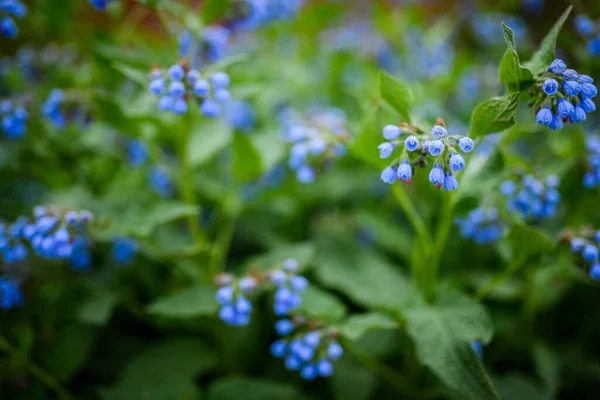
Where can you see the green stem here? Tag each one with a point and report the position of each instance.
(226, 228)
(423, 237)
(399, 382)
(441, 237)
(39, 373)
(498, 280)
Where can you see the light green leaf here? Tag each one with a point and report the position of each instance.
(251, 389)
(511, 72)
(98, 308)
(320, 305)
(368, 137)
(189, 303)
(395, 94)
(494, 115)
(247, 164)
(143, 222)
(357, 325)
(538, 241)
(443, 334)
(361, 274)
(516, 387)
(165, 371)
(544, 56)
(207, 139)
(303, 253)
(138, 76)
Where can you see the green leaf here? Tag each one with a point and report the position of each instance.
(137, 75)
(361, 274)
(368, 137)
(395, 94)
(68, 352)
(189, 303)
(494, 115)
(443, 334)
(165, 371)
(320, 305)
(516, 387)
(247, 164)
(98, 308)
(141, 222)
(251, 389)
(544, 56)
(538, 241)
(352, 380)
(359, 324)
(303, 253)
(548, 366)
(206, 140)
(511, 72)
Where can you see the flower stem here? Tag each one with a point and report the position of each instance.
(498, 280)
(39, 373)
(441, 237)
(226, 228)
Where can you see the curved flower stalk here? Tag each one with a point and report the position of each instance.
(562, 95)
(317, 140)
(180, 83)
(416, 149)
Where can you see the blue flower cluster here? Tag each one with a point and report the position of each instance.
(531, 198)
(10, 293)
(124, 250)
(416, 146)
(256, 13)
(592, 177)
(14, 119)
(51, 109)
(100, 5)
(587, 245)
(310, 351)
(590, 30)
(51, 235)
(235, 306)
(562, 95)
(177, 85)
(13, 8)
(210, 47)
(482, 225)
(317, 140)
(289, 286)
(240, 115)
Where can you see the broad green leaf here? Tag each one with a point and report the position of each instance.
(98, 308)
(141, 221)
(537, 241)
(357, 325)
(165, 371)
(443, 334)
(516, 387)
(511, 72)
(548, 366)
(352, 380)
(247, 164)
(390, 235)
(549, 283)
(320, 305)
(251, 389)
(189, 303)
(494, 115)
(368, 137)
(137, 75)
(303, 253)
(206, 140)
(69, 350)
(361, 274)
(544, 56)
(395, 94)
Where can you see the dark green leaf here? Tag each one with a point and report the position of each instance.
(251, 389)
(395, 94)
(207, 139)
(352, 380)
(137, 75)
(514, 76)
(537, 240)
(98, 308)
(69, 351)
(165, 371)
(494, 115)
(247, 164)
(515, 387)
(359, 324)
(544, 56)
(443, 334)
(188, 303)
(322, 306)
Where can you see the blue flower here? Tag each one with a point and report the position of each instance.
(557, 123)
(481, 225)
(436, 175)
(278, 348)
(176, 72)
(588, 90)
(180, 106)
(595, 271)
(550, 86)
(558, 66)
(222, 95)
(10, 294)
(404, 171)
(305, 174)
(201, 88)
(176, 89)
(588, 105)
(240, 115)
(585, 79)
(385, 149)
(334, 351)
(220, 80)
(590, 253)
(388, 175)
(284, 327)
(577, 245)
(160, 181)
(436, 147)
(544, 116)
(456, 162)
(210, 108)
(391, 132)
(478, 348)
(466, 144)
(411, 143)
(124, 250)
(565, 108)
(570, 74)
(450, 183)
(438, 132)
(572, 88)
(157, 86)
(584, 25)
(578, 115)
